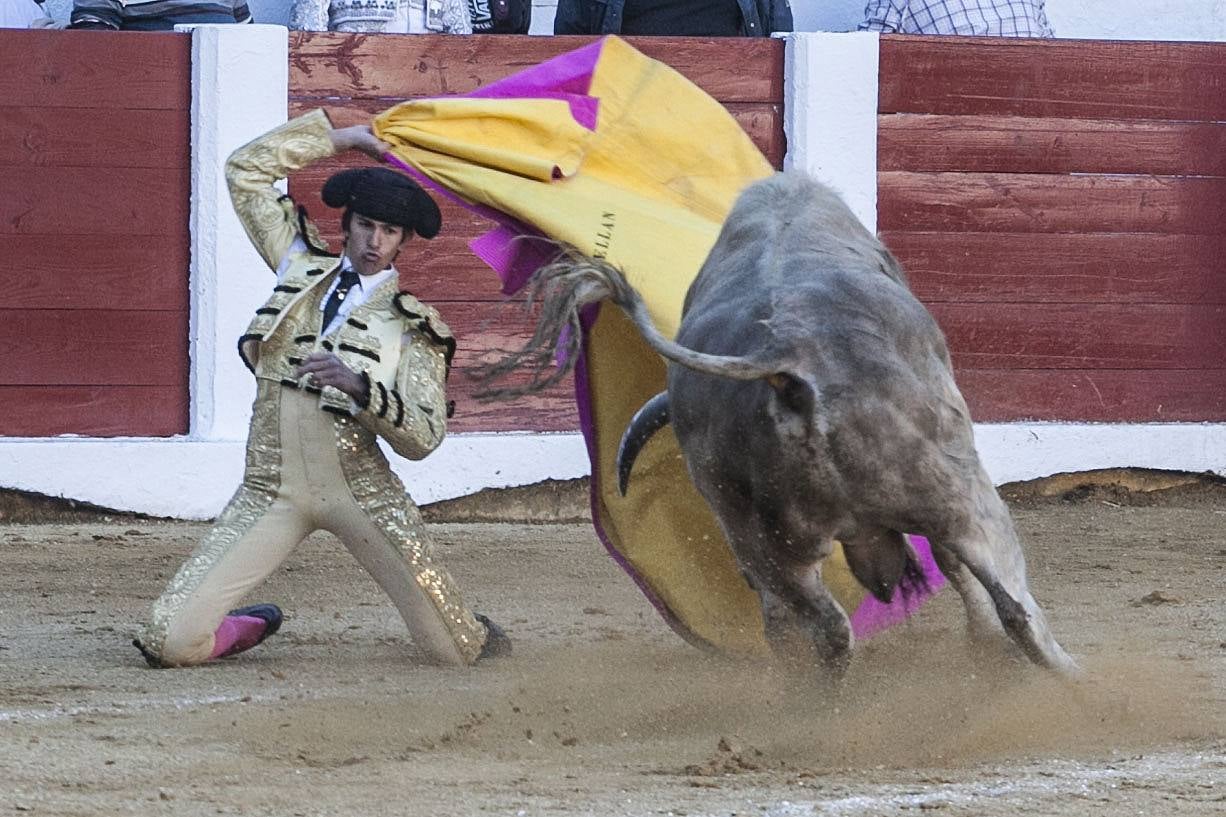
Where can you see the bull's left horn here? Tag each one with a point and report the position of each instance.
(649, 419)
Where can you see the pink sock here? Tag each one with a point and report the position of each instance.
(237, 633)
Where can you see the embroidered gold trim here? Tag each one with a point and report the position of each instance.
(261, 481)
(380, 493)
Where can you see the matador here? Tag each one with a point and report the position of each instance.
(341, 358)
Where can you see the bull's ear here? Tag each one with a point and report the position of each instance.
(796, 393)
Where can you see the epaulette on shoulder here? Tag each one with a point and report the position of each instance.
(426, 319)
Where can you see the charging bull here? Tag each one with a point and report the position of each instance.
(813, 400)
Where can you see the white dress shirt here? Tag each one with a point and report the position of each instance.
(355, 297)
(358, 295)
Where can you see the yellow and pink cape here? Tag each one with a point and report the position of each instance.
(625, 159)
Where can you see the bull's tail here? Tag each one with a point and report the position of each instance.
(564, 287)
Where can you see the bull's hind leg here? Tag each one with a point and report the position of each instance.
(987, 545)
(983, 622)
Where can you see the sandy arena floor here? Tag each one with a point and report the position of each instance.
(602, 710)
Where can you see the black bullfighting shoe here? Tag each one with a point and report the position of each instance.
(497, 642)
(150, 659)
(270, 614)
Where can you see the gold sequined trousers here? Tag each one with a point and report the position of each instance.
(309, 470)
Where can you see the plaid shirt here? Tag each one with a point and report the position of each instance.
(990, 18)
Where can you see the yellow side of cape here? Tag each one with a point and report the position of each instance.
(647, 190)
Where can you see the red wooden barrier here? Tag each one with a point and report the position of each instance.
(1061, 207)
(95, 174)
(354, 77)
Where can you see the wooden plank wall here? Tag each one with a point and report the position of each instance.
(1061, 208)
(1059, 205)
(94, 245)
(356, 76)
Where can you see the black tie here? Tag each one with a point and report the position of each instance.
(346, 282)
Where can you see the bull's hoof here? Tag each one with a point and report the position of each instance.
(835, 649)
(798, 653)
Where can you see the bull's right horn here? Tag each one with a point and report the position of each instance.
(649, 419)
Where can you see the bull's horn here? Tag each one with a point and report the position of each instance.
(649, 419)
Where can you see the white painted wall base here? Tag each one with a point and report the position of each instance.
(193, 479)
(1020, 451)
(189, 479)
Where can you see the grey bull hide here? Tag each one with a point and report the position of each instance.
(813, 400)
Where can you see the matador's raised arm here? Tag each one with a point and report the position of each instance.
(269, 216)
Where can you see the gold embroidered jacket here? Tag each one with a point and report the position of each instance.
(397, 343)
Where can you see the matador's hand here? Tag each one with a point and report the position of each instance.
(359, 137)
(326, 369)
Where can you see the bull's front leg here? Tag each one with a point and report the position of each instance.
(781, 558)
(827, 624)
(803, 622)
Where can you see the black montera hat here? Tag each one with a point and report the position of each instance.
(384, 195)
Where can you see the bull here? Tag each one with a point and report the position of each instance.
(813, 400)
